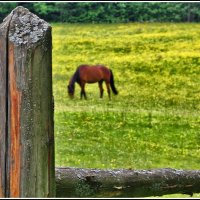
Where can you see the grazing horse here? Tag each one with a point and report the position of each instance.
(92, 74)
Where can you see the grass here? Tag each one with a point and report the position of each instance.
(154, 122)
(128, 139)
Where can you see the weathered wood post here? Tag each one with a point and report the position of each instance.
(27, 166)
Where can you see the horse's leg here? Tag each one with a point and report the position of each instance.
(101, 88)
(81, 93)
(108, 88)
(83, 90)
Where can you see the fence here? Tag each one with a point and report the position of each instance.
(26, 125)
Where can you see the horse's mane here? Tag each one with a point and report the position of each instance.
(75, 77)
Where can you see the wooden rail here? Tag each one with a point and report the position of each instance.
(77, 182)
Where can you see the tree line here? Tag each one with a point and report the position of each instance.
(109, 12)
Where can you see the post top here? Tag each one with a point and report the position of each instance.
(25, 27)
(20, 9)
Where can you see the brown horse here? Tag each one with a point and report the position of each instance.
(92, 74)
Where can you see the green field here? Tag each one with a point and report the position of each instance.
(154, 122)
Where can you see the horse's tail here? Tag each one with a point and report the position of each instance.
(112, 83)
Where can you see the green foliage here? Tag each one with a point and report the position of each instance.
(110, 12)
(5, 9)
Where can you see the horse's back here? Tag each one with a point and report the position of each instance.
(93, 73)
(93, 67)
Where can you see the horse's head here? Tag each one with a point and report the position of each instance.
(71, 91)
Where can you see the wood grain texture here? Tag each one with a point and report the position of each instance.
(30, 38)
(4, 27)
(2, 111)
(27, 136)
(77, 182)
(14, 124)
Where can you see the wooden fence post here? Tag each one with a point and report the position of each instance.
(27, 167)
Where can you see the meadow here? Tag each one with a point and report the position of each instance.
(154, 122)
